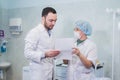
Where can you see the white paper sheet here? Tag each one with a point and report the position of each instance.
(65, 45)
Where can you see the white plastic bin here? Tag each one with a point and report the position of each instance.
(26, 74)
(104, 78)
(60, 72)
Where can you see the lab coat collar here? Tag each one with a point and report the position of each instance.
(81, 42)
(42, 28)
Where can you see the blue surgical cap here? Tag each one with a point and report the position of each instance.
(84, 26)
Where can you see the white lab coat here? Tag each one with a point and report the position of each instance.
(37, 42)
(76, 69)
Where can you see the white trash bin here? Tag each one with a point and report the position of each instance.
(103, 78)
(26, 73)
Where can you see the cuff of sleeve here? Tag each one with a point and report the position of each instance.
(43, 55)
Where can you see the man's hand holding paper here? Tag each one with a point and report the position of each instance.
(52, 53)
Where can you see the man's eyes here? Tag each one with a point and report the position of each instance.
(52, 20)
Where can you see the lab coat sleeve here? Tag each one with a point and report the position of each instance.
(92, 55)
(31, 52)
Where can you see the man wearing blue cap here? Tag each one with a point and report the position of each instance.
(84, 53)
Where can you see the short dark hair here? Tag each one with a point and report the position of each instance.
(46, 10)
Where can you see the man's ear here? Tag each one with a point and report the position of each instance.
(43, 18)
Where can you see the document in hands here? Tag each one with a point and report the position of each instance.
(65, 46)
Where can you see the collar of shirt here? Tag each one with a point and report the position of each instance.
(42, 28)
(49, 32)
(79, 41)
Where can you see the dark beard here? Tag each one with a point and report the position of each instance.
(47, 27)
(45, 24)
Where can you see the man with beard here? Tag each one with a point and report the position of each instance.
(39, 47)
